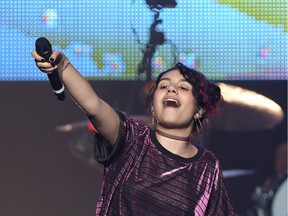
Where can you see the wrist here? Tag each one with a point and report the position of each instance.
(63, 63)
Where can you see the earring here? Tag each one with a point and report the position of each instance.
(198, 124)
(199, 113)
(153, 114)
(154, 119)
(197, 118)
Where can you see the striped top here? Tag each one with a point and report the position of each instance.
(142, 178)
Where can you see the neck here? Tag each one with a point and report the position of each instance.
(172, 136)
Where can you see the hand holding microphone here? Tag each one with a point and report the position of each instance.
(51, 67)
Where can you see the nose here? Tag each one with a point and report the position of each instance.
(172, 89)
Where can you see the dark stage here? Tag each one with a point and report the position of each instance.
(40, 175)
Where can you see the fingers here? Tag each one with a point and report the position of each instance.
(52, 58)
(36, 56)
(55, 54)
(44, 65)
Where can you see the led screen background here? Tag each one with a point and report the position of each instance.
(107, 40)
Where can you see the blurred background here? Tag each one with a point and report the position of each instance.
(46, 151)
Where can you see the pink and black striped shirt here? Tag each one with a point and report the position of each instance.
(142, 178)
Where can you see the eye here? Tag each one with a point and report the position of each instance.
(184, 88)
(163, 84)
(163, 87)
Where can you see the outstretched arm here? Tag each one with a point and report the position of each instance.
(103, 116)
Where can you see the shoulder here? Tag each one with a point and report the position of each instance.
(209, 159)
(134, 133)
(131, 124)
(210, 155)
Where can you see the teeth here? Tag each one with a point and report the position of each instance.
(171, 101)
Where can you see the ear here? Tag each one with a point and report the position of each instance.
(199, 113)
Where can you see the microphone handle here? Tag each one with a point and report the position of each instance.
(56, 84)
(44, 49)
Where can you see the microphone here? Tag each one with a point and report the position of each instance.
(44, 49)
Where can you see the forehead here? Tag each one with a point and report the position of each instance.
(173, 74)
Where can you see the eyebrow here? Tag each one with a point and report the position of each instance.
(169, 79)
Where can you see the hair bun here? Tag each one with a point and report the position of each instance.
(214, 92)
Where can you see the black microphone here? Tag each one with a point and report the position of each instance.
(44, 49)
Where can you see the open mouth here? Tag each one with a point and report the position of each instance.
(171, 102)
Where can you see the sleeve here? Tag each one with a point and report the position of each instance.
(105, 153)
(219, 203)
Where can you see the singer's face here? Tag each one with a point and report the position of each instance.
(173, 101)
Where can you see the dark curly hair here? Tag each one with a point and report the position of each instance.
(208, 95)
